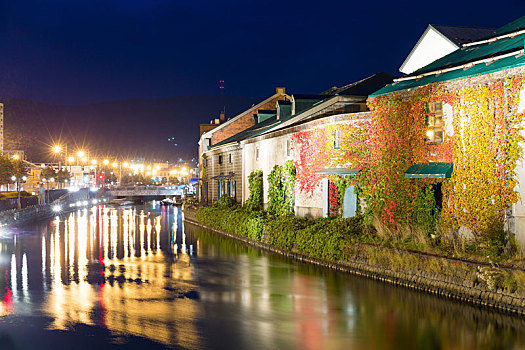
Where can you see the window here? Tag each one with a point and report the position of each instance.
(434, 122)
(337, 139)
(231, 158)
(287, 148)
(257, 153)
(204, 163)
(220, 159)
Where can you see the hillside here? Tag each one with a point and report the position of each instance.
(133, 127)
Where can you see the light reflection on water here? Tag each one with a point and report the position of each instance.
(142, 275)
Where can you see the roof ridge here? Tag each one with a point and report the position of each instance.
(448, 25)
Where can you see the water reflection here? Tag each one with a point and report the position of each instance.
(83, 268)
(140, 272)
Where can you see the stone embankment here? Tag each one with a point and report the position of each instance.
(466, 281)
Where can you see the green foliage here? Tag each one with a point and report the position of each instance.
(62, 176)
(18, 168)
(289, 173)
(325, 237)
(225, 202)
(425, 214)
(281, 184)
(48, 173)
(5, 170)
(255, 184)
(281, 231)
(275, 191)
(234, 220)
(321, 238)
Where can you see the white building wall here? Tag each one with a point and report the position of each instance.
(273, 152)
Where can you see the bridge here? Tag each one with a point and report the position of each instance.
(145, 191)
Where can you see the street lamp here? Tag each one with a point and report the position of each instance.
(57, 149)
(14, 178)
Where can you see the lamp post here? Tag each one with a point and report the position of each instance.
(17, 180)
(57, 149)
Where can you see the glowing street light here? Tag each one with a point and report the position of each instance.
(57, 149)
(81, 154)
(105, 162)
(125, 164)
(71, 159)
(115, 164)
(16, 157)
(94, 161)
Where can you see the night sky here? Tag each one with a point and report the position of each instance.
(78, 52)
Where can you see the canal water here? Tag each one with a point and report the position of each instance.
(139, 278)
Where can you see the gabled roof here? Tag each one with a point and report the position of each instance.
(476, 58)
(366, 86)
(438, 41)
(248, 111)
(272, 123)
(250, 132)
(463, 35)
(513, 26)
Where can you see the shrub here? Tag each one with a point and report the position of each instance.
(255, 184)
(281, 231)
(233, 220)
(321, 238)
(325, 237)
(225, 202)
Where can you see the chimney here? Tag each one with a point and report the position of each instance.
(222, 117)
(280, 90)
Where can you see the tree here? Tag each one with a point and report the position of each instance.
(48, 173)
(62, 176)
(6, 168)
(19, 168)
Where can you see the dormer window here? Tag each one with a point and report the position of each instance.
(434, 122)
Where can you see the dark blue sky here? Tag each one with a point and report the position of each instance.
(76, 52)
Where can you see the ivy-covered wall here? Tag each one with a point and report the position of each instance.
(484, 146)
(310, 147)
(314, 151)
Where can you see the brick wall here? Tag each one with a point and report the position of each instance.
(214, 169)
(244, 122)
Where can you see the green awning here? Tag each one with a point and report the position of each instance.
(430, 171)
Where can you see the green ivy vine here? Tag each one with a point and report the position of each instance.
(255, 184)
(281, 184)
